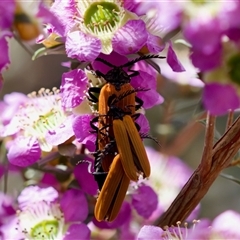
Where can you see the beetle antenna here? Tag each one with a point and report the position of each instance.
(145, 135)
(144, 57)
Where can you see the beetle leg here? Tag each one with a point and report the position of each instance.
(92, 97)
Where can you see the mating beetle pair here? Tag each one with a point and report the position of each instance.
(120, 155)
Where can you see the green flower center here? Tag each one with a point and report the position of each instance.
(45, 230)
(234, 68)
(47, 122)
(101, 15)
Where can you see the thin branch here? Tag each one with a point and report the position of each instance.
(229, 119)
(5, 178)
(3, 158)
(206, 161)
(201, 180)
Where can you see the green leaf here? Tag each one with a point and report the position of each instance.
(60, 49)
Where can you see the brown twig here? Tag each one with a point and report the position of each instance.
(229, 119)
(203, 177)
(208, 143)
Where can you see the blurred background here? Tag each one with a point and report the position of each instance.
(175, 123)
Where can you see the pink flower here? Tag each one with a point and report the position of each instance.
(40, 211)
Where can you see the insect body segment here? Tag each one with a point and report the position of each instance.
(126, 165)
(106, 119)
(113, 192)
(117, 75)
(124, 148)
(121, 117)
(142, 162)
(99, 173)
(127, 159)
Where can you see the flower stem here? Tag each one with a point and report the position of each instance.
(229, 119)
(214, 160)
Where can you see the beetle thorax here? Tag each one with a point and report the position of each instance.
(118, 77)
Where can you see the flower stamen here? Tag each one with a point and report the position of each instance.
(101, 19)
(41, 221)
(101, 15)
(42, 113)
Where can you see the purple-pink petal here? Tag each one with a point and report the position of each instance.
(150, 232)
(123, 217)
(6, 206)
(145, 201)
(64, 11)
(114, 58)
(227, 225)
(73, 85)
(81, 127)
(49, 18)
(49, 179)
(145, 67)
(89, 142)
(202, 230)
(71, 201)
(206, 62)
(229, 14)
(7, 10)
(77, 231)
(219, 98)
(4, 60)
(60, 134)
(33, 194)
(173, 166)
(196, 31)
(81, 46)
(173, 61)
(24, 151)
(85, 178)
(151, 97)
(189, 77)
(130, 38)
(142, 121)
(12, 128)
(10, 229)
(155, 44)
(9, 106)
(132, 5)
(168, 14)
(233, 34)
